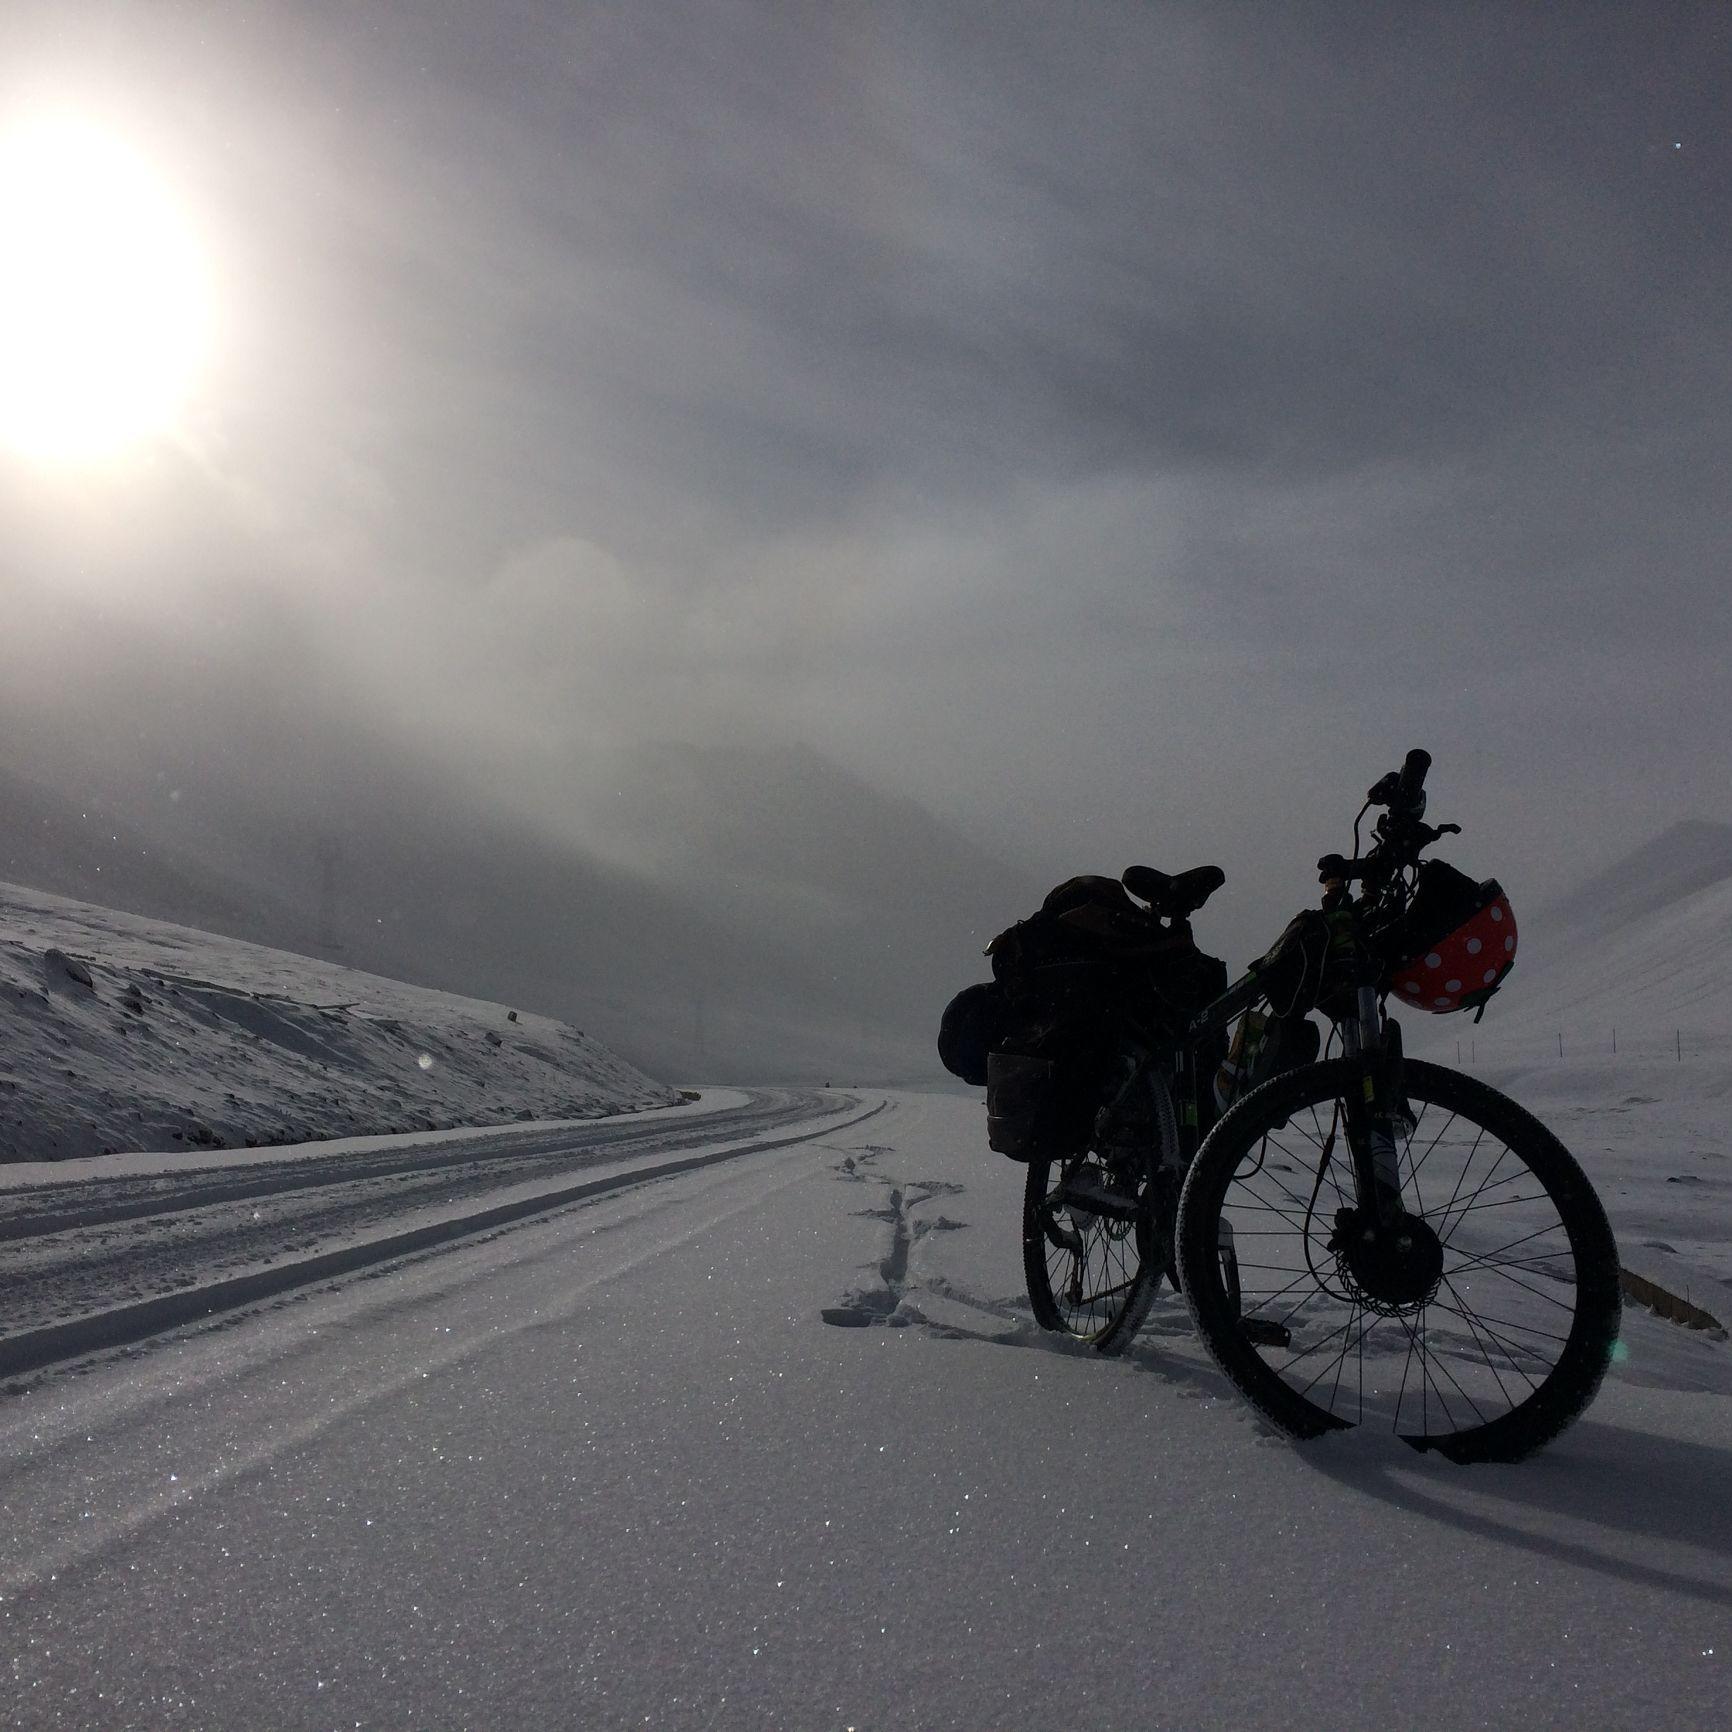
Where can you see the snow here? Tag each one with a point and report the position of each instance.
(614, 1468)
(1639, 954)
(1645, 950)
(760, 1433)
(121, 1033)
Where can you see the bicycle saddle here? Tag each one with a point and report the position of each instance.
(1174, 896)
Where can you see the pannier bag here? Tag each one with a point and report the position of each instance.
(1456, 944)
(974, 1022)
(1092, 948)
(1021, 1098)
(1065, 979)
(1039, 1103)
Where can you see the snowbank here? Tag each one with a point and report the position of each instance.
(122, 1033)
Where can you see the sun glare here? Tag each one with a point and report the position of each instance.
(103, 305)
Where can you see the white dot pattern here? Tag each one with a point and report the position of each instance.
(1443, 978)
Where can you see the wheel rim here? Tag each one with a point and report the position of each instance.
(1448, 1336)
(1093, 1260)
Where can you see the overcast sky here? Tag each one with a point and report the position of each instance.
(1124, 427)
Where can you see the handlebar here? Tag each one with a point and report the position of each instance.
(1401, 831)
(1411, 786)
(1403, 790)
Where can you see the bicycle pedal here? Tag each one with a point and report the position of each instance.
(1095, 1194)
(1260, 1332)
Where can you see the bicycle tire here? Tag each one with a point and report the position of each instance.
(1508, 1384)
(1065, 1283)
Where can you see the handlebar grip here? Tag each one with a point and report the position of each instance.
(1412, 781)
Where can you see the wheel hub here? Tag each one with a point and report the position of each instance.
(1391, 1268)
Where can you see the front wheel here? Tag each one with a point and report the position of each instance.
(1480, 1327)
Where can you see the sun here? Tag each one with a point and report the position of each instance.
(103, 299)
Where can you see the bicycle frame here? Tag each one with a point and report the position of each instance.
(1366, 1035)
(1502, 1322)
(1349, 994)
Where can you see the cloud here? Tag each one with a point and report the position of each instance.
(1125, 427)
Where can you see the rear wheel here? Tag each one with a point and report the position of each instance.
(1480, 1328)
(1097, 1233)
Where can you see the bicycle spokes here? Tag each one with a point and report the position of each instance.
(1444, 1319)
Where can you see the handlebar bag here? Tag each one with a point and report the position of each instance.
(1290, 972)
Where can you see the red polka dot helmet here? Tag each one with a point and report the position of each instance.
(1456, 945)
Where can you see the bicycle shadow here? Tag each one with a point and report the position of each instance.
(1618, 1487)
(1619, 1484)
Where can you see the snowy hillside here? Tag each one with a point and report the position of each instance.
(749, 913)
(1641, 954)
(121, 1033)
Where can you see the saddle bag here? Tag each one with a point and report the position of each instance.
(1091, 949)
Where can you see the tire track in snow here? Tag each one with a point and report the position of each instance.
(883, 1305)
(61, 1549)
(119, 1326)
(78, 1205)
(267, 1210)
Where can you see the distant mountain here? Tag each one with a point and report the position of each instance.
(741, 914)
(799, 852)
(1682, 860)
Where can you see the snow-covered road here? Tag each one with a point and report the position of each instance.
(110, 1250)
(621, 1466)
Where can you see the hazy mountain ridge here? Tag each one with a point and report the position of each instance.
(1689, 856)
(80, 848)
(782, 920)
(1643, 948)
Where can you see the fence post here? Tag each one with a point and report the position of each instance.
(1560, 1043)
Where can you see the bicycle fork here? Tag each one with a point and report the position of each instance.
(1388, 1259)
(1370, 1111)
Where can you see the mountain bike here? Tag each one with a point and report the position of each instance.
(1362, 1239)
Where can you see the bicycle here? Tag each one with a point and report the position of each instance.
(1361, 1238)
